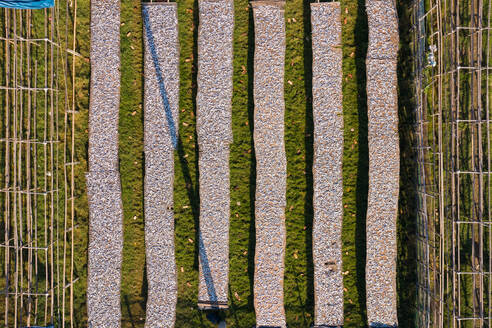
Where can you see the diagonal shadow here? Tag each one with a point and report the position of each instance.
(202, 254)
(207, 274)
(192, 193)
(160, 80)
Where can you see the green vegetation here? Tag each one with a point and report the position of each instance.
(298, 136)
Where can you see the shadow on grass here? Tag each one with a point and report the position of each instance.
(252, 173)
(192, 190)
(406, 264)
(361, 38)
(308, 143)
(193, 193)
(129, 311)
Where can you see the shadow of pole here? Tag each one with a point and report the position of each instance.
(160, 81)
(202, 254)
(207, 274)
(128, 308)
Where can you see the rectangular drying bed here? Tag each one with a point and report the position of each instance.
(161, 101)
(271, 166)
(214, 132)
(103, 179)
(327, 165)
(384, 162)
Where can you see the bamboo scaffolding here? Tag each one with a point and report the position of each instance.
(32, 141)
(452, 47)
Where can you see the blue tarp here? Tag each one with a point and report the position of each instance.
(27, 4)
